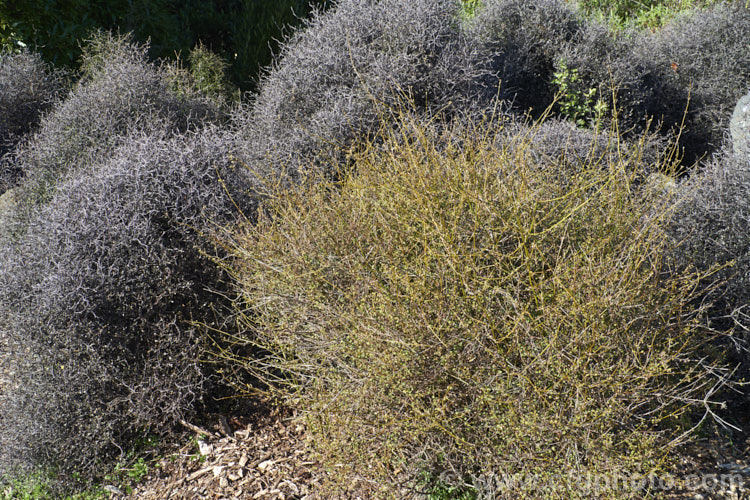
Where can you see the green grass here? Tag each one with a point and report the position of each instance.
(619, 14)
(127, 473)
(40, 487)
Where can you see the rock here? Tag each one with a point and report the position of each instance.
(739, 128)
(204, 448)
(114, 490)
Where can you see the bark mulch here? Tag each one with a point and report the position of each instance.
(261, 457)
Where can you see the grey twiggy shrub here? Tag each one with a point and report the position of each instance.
(333, 76)
(120, 92)
(28, 87)
(521, 41)
(691, 71)
(711, 230)
(99, 299)
(102, 272)
(703, 56)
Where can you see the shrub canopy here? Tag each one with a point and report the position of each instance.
(455, 306)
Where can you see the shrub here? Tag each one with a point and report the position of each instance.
(102, 267)
(712, 226)
(28, 88)
(55, 30)
(334, 76)
(520, 43)
(460, 305)
(609, 69)
(688, 74)
(208, 72)
(100, 300)
(119, 93)
(703, 56)
(243, 33)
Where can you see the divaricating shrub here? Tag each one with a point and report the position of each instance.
(120, 92)
(521, 42)
(100, 300)
(702, 57)
(334, 76)
(461, 306)
(103, 278)
(28, 88)
(688, 74)
(712, 230)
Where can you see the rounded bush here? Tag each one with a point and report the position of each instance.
(120, 92)
(710, 231)
(102, 298)
(690, 72)
(520, 43)
(459, 305)
(334, 78)
(105, 278)
(28, 88)
(244, 33)
(704, 55)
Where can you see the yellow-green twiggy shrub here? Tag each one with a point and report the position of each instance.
(454, 305)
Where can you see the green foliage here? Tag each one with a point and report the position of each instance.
(9, 41)
(131, 470)
(39, 486)
(30, 487)
(208, 71)
(436, 489)
(453, 304)
(581, 107)
(642, 13)
(469, 8)
(204, 72)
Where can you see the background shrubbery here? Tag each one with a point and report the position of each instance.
(120, 93)
(711, 229)
(317, 98)
(244, 33)
(28, 87)
(691, 71)
(333, 76)
(650, 14)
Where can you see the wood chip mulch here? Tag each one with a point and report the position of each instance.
(266, 458)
